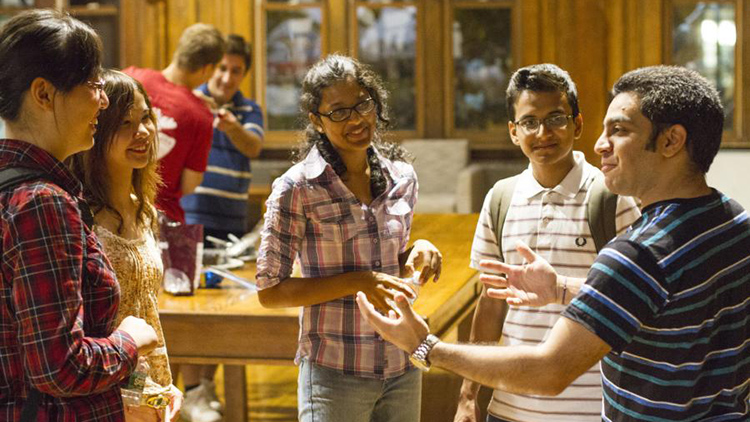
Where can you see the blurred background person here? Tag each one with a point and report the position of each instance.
(220, 203)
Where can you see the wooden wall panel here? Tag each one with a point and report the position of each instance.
(595, 40)
(144, 29)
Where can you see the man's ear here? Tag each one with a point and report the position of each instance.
(41, 93)
(578, 122)
(672, 140)
(512, 128)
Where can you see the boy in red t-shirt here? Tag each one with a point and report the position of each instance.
(184, 121)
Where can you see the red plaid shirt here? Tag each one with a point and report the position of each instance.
(56, 326)
(312, 216)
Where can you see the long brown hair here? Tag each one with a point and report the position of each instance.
(89, 166)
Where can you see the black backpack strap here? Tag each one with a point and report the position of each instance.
(31, 406)
(11, 177)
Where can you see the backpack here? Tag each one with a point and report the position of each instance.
(600, 210)
(11, 177)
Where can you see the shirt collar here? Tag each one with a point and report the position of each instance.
(314, 165)
(569, 187)
(14, 153)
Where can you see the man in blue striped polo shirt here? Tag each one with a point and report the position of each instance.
(220, 202)
(665, 307)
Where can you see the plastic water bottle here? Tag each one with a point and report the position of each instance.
(132, 395)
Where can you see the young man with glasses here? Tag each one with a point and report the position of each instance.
(547, 210)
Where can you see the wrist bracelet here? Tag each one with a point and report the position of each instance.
(565, 290)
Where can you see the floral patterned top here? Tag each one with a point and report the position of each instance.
(139, 269)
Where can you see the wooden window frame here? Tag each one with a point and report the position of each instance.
(739, 136)
(479, 139)
(279, 139)
(419, 91)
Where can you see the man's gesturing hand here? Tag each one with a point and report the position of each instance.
(403, 327)
(530, 284)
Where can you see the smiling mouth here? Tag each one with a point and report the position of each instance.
(543, 147)
(139, 149)
(607, 167)
(358, 133)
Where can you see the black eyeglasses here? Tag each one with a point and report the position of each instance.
(341, 114)
(531, 125)
(97, 85)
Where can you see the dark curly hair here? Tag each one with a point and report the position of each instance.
(326, 72)
(673, 95)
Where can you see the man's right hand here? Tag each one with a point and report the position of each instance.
(467, 410)
(143, 334)
(381, 288)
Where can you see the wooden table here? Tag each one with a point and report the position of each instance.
(229, 326)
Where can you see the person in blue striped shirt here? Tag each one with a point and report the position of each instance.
(665, 307)
(220, 203)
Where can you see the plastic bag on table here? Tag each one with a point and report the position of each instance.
(182, 254)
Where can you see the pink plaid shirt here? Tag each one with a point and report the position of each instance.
(313, 217)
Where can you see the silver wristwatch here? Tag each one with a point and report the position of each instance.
(419, 356)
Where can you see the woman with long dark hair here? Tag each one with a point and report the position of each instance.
(344, 211)
(120, 180)
(62, 354)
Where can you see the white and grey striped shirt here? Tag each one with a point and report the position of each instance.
(554, 223)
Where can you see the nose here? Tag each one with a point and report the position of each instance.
(103, 100)
(142, 131)
(355, 117)
(543, 130)
(602, 145)
(225, 77)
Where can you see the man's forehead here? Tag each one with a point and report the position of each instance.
(625, 107)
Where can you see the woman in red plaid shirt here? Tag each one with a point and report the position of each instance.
(344, 211)
(59, 347)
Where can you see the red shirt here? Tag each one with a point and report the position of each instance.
(56, 325)
(185, 133)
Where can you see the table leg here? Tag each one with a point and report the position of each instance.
(235, 393)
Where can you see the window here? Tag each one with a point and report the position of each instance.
(704, 36)
(481, 63)
(464, 68)
(292, 31)
(387, 41)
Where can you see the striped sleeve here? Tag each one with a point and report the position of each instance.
(627, 213)
(622, 294)
(485, 245)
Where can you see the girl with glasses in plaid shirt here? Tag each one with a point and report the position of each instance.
(344, 211)
(61, 351)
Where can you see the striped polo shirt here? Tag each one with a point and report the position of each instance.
(554, 223)
(220, 202)
(672, 299)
